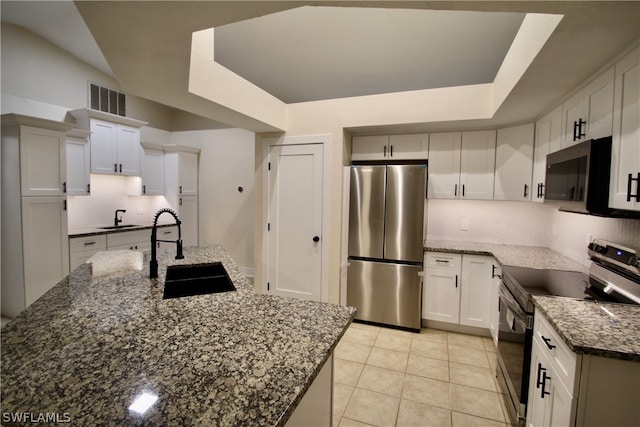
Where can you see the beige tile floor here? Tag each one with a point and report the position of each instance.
(386, 377)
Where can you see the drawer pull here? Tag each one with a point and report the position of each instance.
(444, 261)
(90, 243)
(167, 232)
(547, 341)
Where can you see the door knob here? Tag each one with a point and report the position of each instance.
(316, 239)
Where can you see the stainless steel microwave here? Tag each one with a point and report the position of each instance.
(577, 179)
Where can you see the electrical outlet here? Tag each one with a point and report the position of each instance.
(464, 224)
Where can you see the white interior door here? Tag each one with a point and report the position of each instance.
(295, 221)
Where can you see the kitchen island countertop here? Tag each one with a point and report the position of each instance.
(104, 335)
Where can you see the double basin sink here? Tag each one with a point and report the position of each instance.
(196, 279)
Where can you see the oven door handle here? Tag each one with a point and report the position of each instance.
(519, 314)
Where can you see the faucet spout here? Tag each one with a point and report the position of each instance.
(153, 264)
(117, 221)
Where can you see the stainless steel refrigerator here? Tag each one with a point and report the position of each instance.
(386, 220)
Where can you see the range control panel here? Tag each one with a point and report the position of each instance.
(625, 257)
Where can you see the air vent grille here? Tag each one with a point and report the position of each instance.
(108, 100)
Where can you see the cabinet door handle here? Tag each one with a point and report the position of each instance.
(384, 151)
(445, 261)
(120, 167)
(543, 392)
(455, 190)
(630, 180)
(180, 189)
(144, 189)
(462, 190)
(89, 188)
(526, 190)
(580, 132)
(90, 243)
(540, 370)
(64, 187)
(180, 201)
(541, 190)
(115, 167)
(64, 204)
(391, 151)
(456, 280)
(547, 342)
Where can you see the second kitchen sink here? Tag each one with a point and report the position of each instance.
(196, 279)
(117, 227)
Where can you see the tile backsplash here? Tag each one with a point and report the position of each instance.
(109, 193)
(525, 223)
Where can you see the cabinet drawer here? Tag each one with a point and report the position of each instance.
(442, 260)
(167, 233)
(133, 246)
(88, 243)
(128, 238)
(563, 360)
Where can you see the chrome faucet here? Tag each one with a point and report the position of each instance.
(153, 264)
(117, 221)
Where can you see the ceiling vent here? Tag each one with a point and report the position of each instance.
(108, 100)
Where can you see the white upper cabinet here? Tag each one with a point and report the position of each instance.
(187, 173)
(115, 142)
(477, 164)
(152, 170)
(78, 163)
(588, 114)
(444, 165)
(394, 147)
(43, 165)
(461, 165)
(514, 163)
(548, 140)
(624, 192)
(406, 147)
(128, 150)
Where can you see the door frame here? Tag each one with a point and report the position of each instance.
(267, 143)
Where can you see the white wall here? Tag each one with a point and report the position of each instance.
(528, 224)
(226, 214)
(502, 222)
(108, 193)
(39, 79)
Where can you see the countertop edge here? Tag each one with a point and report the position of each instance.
(95, 231)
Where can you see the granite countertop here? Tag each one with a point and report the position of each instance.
(104, 335)
(594, 328)
(587, 327)
(94, 231)
(521, 256)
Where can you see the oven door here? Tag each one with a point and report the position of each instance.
(515, 336)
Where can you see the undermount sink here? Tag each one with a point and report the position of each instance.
(196, 279)
(115, 227)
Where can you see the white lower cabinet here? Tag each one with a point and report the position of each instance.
(457, 289)
(441, 293)
(139, 240)
(569, 389)
(83, 248)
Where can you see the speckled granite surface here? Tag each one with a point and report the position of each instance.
(599, 329)
(521, 256)
(584, 325)
(91, 345)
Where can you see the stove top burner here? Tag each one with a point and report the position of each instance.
(524, 282)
